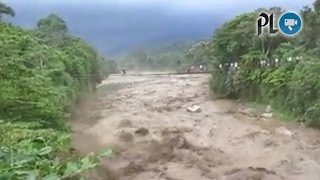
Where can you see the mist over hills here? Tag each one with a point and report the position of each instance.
(116, 29)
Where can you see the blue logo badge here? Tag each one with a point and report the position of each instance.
(290, 23)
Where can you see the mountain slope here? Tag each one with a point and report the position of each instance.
(115, 30)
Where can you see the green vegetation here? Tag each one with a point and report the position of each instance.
(42, 72)
(6, 10)
(164, 58)
(276, 70)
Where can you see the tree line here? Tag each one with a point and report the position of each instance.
(277, 70)
(163, 57)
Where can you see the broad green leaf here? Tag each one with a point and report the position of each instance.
(71, 168)
(44, 151)
(25, 160)
(87, 163)
(51, 177)
(29, 175)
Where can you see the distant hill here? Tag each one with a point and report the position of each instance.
(117, 30)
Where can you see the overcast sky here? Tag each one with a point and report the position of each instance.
(118, 25)
(180, 5)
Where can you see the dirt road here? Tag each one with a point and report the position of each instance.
(153, 136)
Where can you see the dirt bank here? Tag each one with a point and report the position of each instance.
(154, 137)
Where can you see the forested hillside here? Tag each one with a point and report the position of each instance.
(42, 71)
(118, 29)
(165, 57)
(276, 70)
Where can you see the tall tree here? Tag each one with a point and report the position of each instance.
(6, 10)
(316, 5)
(53, 23)
(309, 36)
(52, 29)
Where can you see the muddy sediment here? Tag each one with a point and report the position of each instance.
(155, 136)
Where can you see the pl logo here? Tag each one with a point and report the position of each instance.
(289, 23)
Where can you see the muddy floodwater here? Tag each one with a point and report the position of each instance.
(169, 128)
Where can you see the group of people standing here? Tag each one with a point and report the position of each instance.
(201, 67)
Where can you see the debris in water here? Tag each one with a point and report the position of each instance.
(267, 115)
(125, 136)
(248, 111)
(265, 131)
(124, 123)
(133, 167)
(268, 110)
(194, 109)
(284, 131)
(179, 142)
(302, 125)
(142, 131)
(211, 132)
(196, 95)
